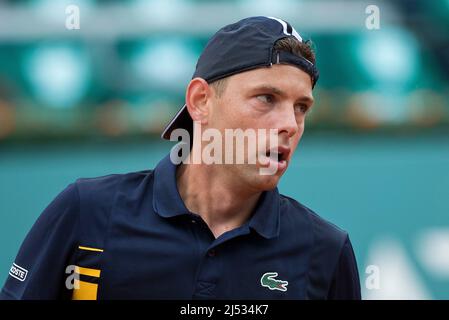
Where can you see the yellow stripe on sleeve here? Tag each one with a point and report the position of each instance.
(90, 249)
(88, 271)
(85, 291)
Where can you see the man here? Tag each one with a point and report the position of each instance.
(201, 230)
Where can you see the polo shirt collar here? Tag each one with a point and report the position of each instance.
(167, 201)
(266, 218)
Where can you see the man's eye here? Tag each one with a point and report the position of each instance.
(266, 98)
(301, 108)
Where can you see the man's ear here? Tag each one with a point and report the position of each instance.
(198, 94)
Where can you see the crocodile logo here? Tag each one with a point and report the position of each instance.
(267, 280)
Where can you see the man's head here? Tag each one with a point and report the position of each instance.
(262, 84)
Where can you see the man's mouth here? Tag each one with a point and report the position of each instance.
(276, 158)
(279, 154)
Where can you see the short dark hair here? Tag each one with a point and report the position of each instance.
(288, 44)
(300, 49)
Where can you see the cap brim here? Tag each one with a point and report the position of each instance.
(181, 120)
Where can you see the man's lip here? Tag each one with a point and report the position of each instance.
(280, 166)
(284, 150)
(284, 161)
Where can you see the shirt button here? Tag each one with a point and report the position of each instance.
(193, 221)
(211, 253)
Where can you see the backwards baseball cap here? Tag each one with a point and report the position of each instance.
(242, 46)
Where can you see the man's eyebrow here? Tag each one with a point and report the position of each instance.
(279, 92)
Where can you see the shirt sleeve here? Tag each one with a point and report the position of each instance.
(346, 283)
(39, 270)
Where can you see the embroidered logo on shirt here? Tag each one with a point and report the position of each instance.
(18, 272)
(267, 280)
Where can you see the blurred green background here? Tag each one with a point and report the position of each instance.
(374, 159)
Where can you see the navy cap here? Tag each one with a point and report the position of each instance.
(242, 46)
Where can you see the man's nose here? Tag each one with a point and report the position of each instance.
(287, 121)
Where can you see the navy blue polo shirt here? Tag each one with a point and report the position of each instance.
(130, 236)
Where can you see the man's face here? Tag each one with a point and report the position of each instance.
(277, 98)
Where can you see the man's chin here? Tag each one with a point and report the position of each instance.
(267, 182)
(260, 181)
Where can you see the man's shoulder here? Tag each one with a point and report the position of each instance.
(321, 227)
(105, 186)
(99, 197)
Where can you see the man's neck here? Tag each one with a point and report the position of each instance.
(216, 196)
